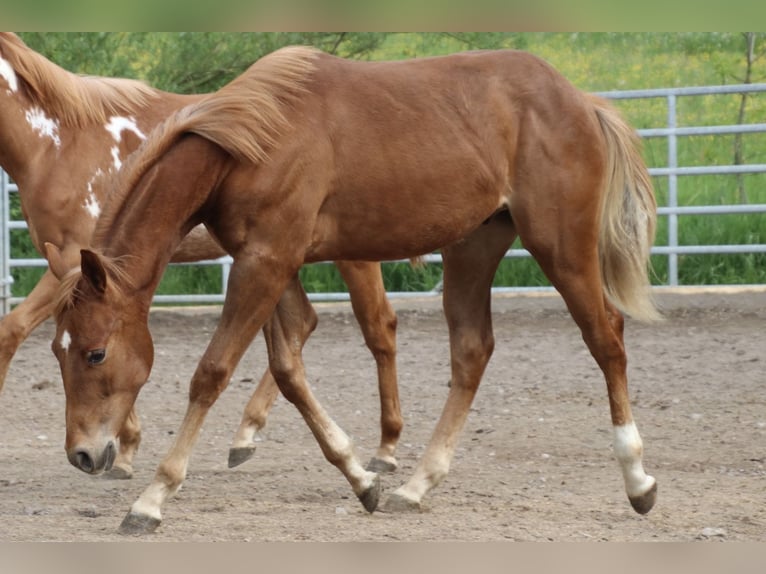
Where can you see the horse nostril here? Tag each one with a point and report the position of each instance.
(84, 461)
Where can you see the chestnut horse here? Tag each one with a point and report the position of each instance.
(308, 157)
(62, 137)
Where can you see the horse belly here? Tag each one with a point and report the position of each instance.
(396, 225)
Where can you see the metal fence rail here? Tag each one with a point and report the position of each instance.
(671, 172)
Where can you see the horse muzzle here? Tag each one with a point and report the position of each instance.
(91, 461)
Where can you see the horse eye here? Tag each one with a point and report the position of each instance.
(96, 356)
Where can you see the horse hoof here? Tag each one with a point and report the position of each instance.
(644, 503)
(119, 473)
(401, 504)
(136, 524)
(379, 465)
(370, 497)
(240, 454)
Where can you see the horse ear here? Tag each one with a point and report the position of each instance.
(93, 270)
(55, 260)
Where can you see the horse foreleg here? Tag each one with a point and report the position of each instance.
(377, 320)
(253, 419)
(16, 326)
(253, 291)
(130, 438)
(469, 267)
(284, 339)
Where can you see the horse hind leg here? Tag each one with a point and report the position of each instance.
(567, 252)
(253, 419)
(469, 267)
(377, 320)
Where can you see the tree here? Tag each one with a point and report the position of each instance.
(184, 62)
(753, 53)
(750, 44)
(94, 53)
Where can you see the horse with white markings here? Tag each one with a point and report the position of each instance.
(308, 157)
(62, 137)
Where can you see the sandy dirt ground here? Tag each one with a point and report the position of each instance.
(534, 462)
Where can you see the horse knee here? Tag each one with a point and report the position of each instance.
(382, 339)
(288, 373)
(470, 357)
(208, 382)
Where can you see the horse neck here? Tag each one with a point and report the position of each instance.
(146, 225)
(27, 133)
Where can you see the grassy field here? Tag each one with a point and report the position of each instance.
(596, 62)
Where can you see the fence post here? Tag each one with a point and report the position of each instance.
(5, 245)
(672, 191)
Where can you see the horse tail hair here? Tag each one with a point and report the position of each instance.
(628, 218)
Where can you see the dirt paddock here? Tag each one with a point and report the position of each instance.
(534, 461)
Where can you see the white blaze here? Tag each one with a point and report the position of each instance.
(43, 125)
(65, 341)
(9, 75)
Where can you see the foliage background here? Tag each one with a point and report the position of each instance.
(193, 62)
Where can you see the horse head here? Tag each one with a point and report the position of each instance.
(105, 353)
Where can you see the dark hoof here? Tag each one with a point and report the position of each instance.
(370, 497)
(240, 454)
(138, 524)
(400, 504)
(119, 473)
(379, 465)
(644, 503)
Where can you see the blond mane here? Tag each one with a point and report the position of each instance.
(245, 118)
(69, 287)
(73, 99)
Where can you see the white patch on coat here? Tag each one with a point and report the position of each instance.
(9, 75)
(91, 204)
(116, 158)
(43, 125)
(66, 340)
(117, 125)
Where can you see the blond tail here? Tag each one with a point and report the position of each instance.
(628, 219)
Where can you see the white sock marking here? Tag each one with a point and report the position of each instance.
(628, 449)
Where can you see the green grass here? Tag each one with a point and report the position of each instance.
(593, 63)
